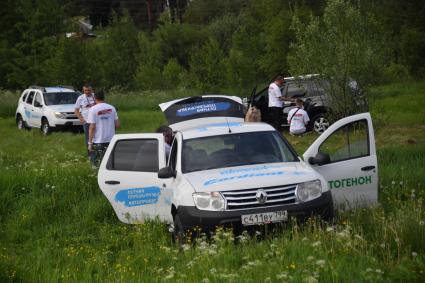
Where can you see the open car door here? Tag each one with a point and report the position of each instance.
(128, 177)
(345, 155)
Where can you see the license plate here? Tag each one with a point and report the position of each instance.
(264, 218)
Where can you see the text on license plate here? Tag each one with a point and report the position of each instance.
(264, 218)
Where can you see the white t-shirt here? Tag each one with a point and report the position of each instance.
(84, 103)
(298, 121)
(104, 116)
(274, 94)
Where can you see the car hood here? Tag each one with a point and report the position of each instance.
(252, 176)
(62, 107)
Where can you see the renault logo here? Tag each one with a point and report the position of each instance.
(261, 196)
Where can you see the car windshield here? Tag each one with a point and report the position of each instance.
(56, 98)
(235, 150)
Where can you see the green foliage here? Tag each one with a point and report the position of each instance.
(208, 66)
(119, 49)
(340, 48)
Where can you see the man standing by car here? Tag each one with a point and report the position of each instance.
(103, 120)
(298, 119)
(82, 106)
(275, 114)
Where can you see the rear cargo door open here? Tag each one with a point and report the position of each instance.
(128, 177)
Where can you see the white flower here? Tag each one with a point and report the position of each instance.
(414, 254)
(310, 258)
(316, 244)
(310, 279)
(213, 270)
(421, 223)
(282, 275)
(321, 262)
(205, 280)
(329, 229)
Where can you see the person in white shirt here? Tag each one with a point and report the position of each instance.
(82, 106)
(298, 119)
(275, 110)
(103, 120)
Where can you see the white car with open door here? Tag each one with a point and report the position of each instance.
(222, 171)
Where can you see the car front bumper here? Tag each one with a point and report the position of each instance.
(207, 221)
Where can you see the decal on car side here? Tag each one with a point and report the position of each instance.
(138, 196)
(349, 182)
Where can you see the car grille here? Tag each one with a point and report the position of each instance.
(243, 199)
(70, 115)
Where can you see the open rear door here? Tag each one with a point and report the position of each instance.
(345, 155)
(200, 110)
(128, 177)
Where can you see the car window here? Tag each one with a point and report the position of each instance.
(234, 150)
(296, 89)
(58, 98)
(25, 96)
(30, 97)
(134, 155)
(38, 99)
(348, 142)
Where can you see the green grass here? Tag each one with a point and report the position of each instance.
(56, 225)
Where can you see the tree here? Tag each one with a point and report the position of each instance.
(344, 44)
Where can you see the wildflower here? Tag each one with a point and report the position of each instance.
(213, 270)
(321, 262)
(205, 280)
(310, 258)
(393, 183)
(329, 229)
(421, 223)
(282, 275)
(310, 279)
(379, 271)
(382, 245)
(292, 265)
(414, 254)
(47, 186)
(316, 244)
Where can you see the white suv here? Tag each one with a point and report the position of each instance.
(222, 171)
(47, 108)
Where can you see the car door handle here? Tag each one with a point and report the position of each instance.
(112, 182)
(368, 168)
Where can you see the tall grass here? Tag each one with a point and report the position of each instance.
(56, 226)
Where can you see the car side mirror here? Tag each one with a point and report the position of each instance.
(165, 173)
(320, 159)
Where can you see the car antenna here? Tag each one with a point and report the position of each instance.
(228, 126)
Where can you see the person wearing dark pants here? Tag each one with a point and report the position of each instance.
(103, 120)
(275, 115)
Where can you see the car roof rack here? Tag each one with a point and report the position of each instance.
(38, 87)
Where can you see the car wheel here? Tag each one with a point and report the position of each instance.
(20, 123)
(178, 232)
(45, 127)
(320, 123)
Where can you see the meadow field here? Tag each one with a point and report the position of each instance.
(56, 226)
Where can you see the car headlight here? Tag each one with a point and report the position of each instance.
(309, 190)
(60, 115)
(208, 201)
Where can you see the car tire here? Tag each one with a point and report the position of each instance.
(45, 127)
(178, 235)
(20, 123)
(320, 123)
